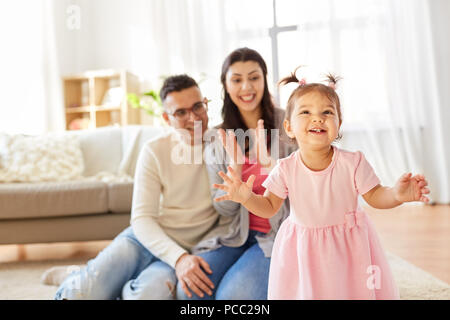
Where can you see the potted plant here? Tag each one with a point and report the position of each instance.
(149, 101)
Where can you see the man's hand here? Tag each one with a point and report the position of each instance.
(411, 188)
(237, 190)
(188, 269)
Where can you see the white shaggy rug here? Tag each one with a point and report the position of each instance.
(21, 280)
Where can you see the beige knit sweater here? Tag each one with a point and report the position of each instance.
(172, 207)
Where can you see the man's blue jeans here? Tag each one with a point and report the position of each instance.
(127, 270)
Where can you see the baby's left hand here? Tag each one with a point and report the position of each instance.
(411, 188)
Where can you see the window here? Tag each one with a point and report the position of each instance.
(341, 36)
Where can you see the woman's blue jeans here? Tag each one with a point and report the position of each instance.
(127, 270)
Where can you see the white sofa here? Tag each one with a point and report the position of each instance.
(95, 208)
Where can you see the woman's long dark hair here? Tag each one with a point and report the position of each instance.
(232, 118)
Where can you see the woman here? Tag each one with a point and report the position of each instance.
(248, 240)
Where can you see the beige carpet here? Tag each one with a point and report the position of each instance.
(22, 280)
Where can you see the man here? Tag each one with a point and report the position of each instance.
(171, 212)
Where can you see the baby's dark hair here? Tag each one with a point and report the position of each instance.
(304, 88)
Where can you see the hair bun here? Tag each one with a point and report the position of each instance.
(332, 80)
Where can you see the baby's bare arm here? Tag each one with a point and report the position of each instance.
(408, 188)
(265, 206)
(381, 197)
(241, 192)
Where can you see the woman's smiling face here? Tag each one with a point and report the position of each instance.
(245, 85)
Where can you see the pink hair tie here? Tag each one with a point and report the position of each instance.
(302, 82)
(332, 85)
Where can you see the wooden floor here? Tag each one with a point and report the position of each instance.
(419, 234)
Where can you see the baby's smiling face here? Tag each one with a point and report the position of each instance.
(314, 122)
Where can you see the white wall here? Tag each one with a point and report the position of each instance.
(115, 34)
(110, 36)
(74, 51)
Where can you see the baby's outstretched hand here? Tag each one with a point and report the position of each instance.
(237, 190)
(411, 188)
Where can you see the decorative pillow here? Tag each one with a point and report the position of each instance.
(48, 157)
(101, 148)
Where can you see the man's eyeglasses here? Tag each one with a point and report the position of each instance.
(199, 109)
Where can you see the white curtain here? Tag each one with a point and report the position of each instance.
(30, 86)
(384, 51)
(191, 38)
(194, 37)
(399, 62)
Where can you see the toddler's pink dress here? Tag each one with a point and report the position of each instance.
(327, 248)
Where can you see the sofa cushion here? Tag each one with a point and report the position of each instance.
(102, 149)
(50, 199)
(120, 196)
(134, 138)
(46, 157)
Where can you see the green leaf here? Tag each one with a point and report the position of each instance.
(154, 110)
(155, 96)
